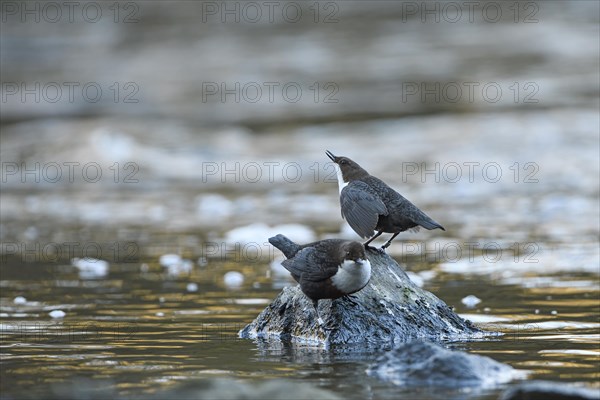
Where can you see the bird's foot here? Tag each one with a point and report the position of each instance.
(378, 250)
(373, 249)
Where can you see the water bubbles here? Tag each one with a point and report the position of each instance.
(175, 265)
(470, 301)
(167, 260)
(90, 268)
(192, 287)
(233, 279)
(57, 314)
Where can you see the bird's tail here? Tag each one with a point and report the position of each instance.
(430, 224)
(287, 247)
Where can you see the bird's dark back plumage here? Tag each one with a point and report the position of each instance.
(289, 249)
(327, 269)
(315, 261)
(402, 212)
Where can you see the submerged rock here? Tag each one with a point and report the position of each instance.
(391, 308)
(543, 390)
(421, 363)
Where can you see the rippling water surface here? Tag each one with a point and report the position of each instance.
(139, 330)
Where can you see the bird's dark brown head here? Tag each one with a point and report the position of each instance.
(350, 169)
(353, 251)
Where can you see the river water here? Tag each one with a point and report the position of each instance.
(142, 331)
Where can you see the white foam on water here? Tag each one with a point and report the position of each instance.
(470, 301)
(90, 268)
(233, 279)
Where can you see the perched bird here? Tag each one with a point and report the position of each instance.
(369, 205)
(328, 269)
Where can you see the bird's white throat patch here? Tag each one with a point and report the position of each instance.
(352, 276)
(340, 177)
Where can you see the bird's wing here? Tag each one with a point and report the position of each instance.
(361, 207)
(310, 264)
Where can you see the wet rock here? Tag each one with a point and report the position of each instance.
(543, 390)
(391, 308)
(421, 364)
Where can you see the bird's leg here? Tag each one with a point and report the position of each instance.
(366, 244)
(320, 321)
(315, 304)
(387, 244)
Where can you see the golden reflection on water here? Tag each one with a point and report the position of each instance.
(143, 331)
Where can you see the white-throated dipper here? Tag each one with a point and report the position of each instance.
(328, 269)
(369, 205)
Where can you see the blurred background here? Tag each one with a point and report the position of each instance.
(195, 130)
(201, 117)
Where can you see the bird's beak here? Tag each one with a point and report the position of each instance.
(330, 155)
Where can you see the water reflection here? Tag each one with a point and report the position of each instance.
(149, 332)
